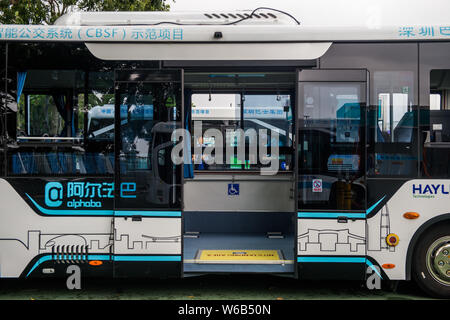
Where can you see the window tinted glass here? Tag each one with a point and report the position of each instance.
(393, 125)
(436, 147)
(392, 117)
(2, 101)
(148, 116)
(331, 145)
(59, 120)
(262, 115)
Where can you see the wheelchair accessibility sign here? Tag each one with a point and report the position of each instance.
(233, 189)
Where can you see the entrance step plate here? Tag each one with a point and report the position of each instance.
(240, 257)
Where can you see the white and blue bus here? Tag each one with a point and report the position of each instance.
(357, 119)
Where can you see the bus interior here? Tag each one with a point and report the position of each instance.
(214, 217)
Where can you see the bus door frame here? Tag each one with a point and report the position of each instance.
(313, 266)
(152, 264)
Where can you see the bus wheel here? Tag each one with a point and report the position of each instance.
(431, 264)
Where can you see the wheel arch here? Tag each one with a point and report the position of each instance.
(419, 232)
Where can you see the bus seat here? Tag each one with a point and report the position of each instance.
(79, 159)
(28, 162)
(42, 165)
(67, 162)
(18, 166)
(71, 163)
(89, 163)
(123, 165)
(62, 162)
(109, 159)
(100, 163)
(52, 159)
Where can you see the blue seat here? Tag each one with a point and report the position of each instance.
(100, 163)
(89, 163)
(28, 162)
(53, 162)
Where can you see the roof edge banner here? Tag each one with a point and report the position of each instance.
(166, 33)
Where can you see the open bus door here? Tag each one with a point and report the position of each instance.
(147, 209)
(331, 188)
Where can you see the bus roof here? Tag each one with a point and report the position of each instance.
(210, 36)
(241, 26)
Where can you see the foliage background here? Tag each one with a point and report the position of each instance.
(47, 11)
(45, 118)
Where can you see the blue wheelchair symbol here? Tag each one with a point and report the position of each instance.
(233, 189)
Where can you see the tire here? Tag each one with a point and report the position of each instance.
(431, 261)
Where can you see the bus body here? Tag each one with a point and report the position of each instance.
(344, 164)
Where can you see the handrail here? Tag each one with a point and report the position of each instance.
(48, 138)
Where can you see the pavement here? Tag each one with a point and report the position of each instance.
(211, 287)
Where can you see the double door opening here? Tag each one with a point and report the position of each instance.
(233, 217)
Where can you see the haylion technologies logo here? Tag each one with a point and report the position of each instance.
(429, 190)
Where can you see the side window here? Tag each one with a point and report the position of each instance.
(257, 115)
(65, 123)
(392, 125)
(148, 116)
(268, 113)
(38, 116)
(221, 113)
(3, 97)
(96, 119)
(331, 146)
(436, 122)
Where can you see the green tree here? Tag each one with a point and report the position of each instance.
(47, 11)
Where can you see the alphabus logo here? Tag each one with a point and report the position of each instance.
(53, 194)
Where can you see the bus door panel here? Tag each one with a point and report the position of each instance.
(331, 189)
(147, 214)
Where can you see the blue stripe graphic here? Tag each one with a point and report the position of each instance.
(147, 213)
(340, 260)
(333, 259)
(355, 215)
(105, 257)
(69, 212)
(370, 264)
(147, 258)
(41, 260)
(374, 206)
(330, 215)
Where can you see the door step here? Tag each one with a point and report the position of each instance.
(239, 257)
(275, 235)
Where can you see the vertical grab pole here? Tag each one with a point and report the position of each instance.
(5, 129)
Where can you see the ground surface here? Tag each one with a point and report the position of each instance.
(204, 288)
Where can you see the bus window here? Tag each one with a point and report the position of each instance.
(261, 115)
(3, 84)
(392, 126)
(38, 116)
(148, 118)
(436, 121)
(331, 146)
(267, 113)
(211, 113)
(63, 127)
(96, 117)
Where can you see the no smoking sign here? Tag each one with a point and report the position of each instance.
(317, 185)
